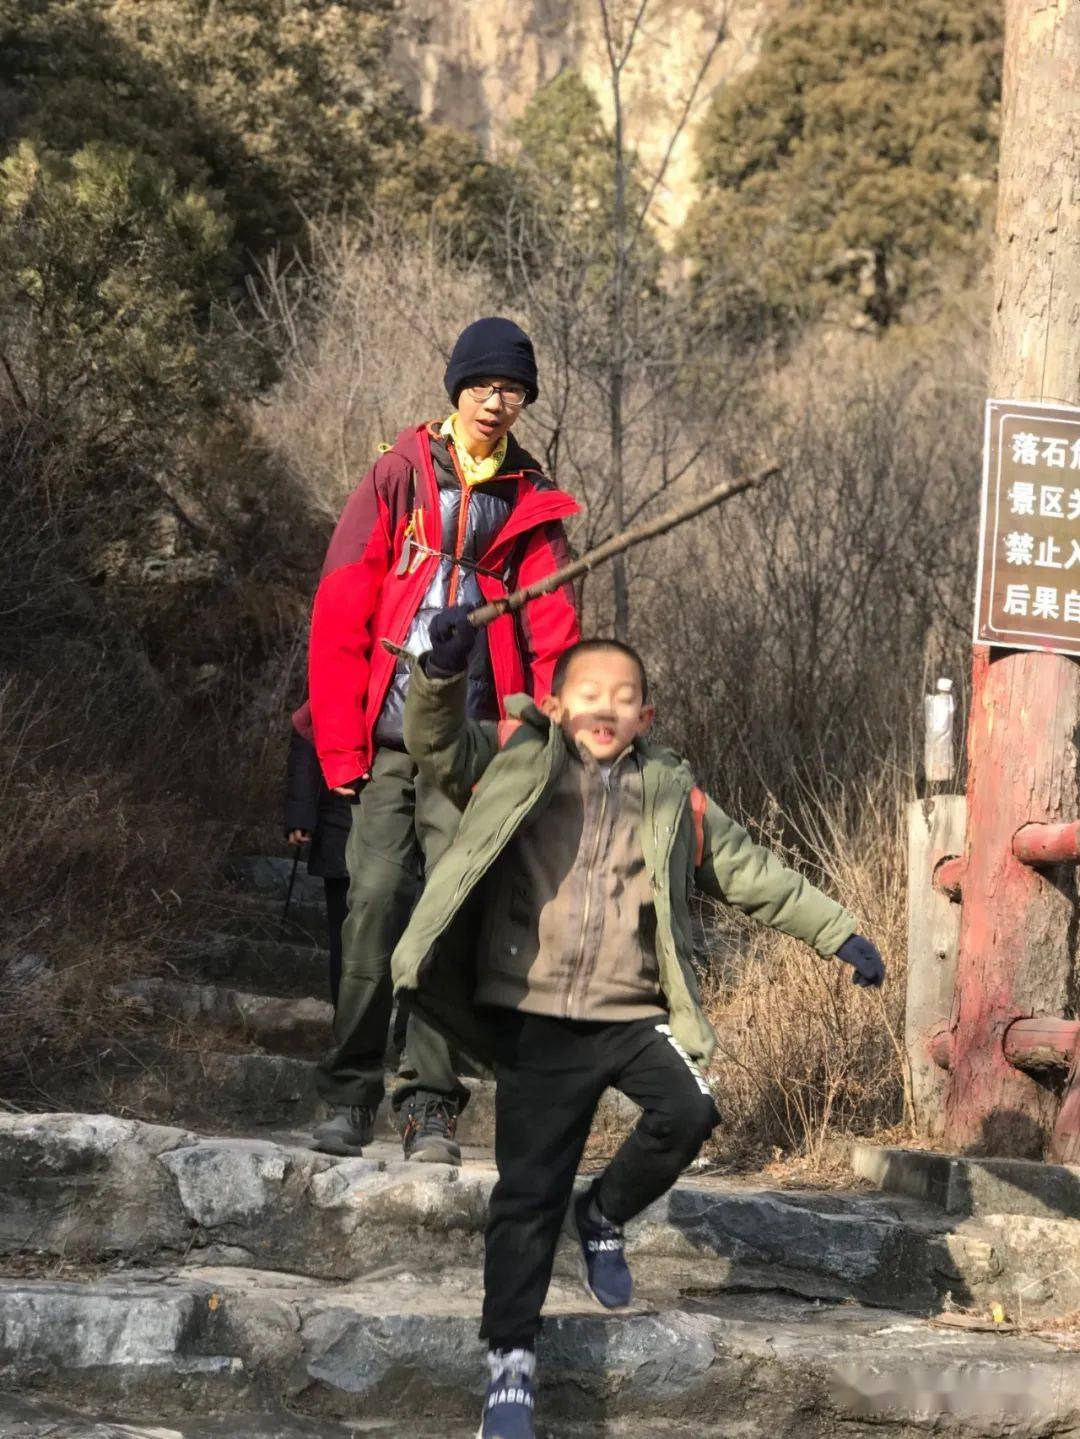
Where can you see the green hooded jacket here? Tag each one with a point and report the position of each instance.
(500, 788)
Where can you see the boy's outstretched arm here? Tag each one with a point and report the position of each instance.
(451, 750)
(751, 877)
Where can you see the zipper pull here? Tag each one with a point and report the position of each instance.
(406, 546)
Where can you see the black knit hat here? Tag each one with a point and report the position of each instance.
(496, 348)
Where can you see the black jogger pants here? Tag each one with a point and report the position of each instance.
(550, 1074)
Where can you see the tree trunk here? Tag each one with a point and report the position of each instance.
(1018, 927)
(620, 581)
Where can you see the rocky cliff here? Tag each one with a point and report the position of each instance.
(475, 64)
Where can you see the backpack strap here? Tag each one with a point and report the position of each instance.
(699, 802)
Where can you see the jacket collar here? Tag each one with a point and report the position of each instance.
(540, 501)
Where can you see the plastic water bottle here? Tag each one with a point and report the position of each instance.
(938, 755)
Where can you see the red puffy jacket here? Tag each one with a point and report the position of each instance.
(361, 598)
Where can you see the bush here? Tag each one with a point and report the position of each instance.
(812, 614)
(108, 271)
(851, 171)
(804, 1056)
(282, 108)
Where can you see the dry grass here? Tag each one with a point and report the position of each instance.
(97, 865)
(806, 1057)
(806, 1060)
(364, 329)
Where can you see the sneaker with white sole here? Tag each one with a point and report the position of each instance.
(603, 1252)
(510, 1398)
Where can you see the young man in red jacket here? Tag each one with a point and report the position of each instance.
(454, 513)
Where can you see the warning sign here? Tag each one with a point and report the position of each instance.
(1029, 555)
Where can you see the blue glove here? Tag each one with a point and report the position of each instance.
(452, 639)
(863, 957)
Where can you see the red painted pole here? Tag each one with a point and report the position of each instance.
(1047, 843)
(949, 876)
(1015, 951)
(1017, 932)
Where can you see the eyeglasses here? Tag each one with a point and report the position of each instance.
(512, 396)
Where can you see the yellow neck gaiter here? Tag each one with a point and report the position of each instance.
(474, 471)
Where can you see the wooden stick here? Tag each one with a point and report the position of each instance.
(648, 530)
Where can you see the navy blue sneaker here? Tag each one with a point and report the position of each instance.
(607, 1274)
(509, 1401)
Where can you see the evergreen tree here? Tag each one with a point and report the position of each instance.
(854, 164)
(281, 107)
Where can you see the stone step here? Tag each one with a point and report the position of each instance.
(93, 1186)
(270, 875)
(259, 916)
(259, 966)
(175, 1079)
(33, 1417)
(404, 1345)
(282, 1024)
(961, 1185)
(37, 1418)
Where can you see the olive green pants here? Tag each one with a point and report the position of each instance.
(400, 825)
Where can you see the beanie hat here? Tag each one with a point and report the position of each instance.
(494, 347)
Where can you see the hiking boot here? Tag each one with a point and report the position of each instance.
(346, 1130)
(430, 1123)
(509, 1401)
(603, 1252)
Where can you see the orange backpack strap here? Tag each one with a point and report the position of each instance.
(699, 802)
(508, 727)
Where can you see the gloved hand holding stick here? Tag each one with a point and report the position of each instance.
(648, 530)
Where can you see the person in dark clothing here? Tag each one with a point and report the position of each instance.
(315, 815)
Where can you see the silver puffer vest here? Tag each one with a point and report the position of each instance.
(487, 507)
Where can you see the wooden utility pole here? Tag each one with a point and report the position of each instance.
(1018, 934)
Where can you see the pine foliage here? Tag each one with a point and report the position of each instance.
(850, 172)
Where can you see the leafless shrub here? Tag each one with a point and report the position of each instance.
(804, 1055)
(793, 632)
(365, 327)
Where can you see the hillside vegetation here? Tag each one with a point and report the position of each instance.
(232, 261)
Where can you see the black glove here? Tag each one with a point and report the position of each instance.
(863, 957)
(452, 639)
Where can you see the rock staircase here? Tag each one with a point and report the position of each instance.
(208, 1275)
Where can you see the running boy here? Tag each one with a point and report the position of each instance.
(572, 868)
(453, 512)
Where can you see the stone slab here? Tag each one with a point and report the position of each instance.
(976, 1187)
(761, 1365)
(296, 1025)
(94, 1188)
(36, 1418)
(270, 875)
(268, 966)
